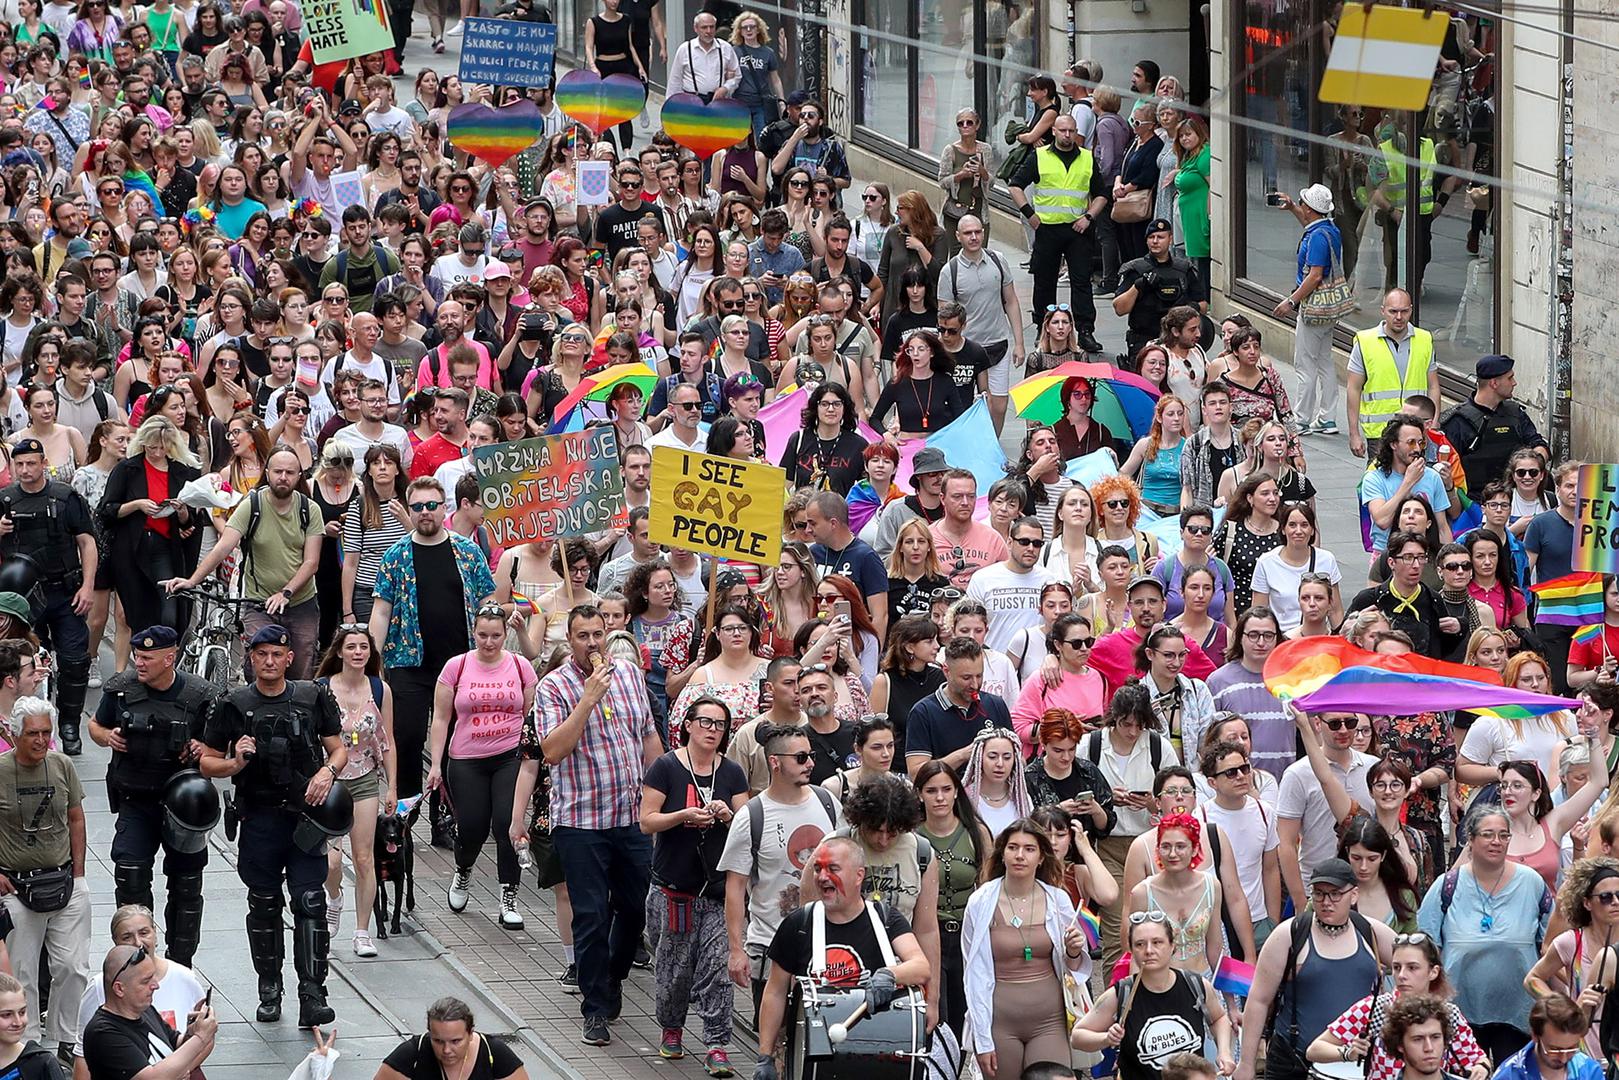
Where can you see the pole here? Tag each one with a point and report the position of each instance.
(567, 575)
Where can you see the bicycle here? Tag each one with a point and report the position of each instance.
(207, 651)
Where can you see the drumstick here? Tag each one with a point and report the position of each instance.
(838, 1032)
(1130, 999)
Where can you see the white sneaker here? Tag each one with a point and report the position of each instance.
(454, 31)
(363, 945)
(510, 917)
(460, 890)
(334, 912)
(95, 678)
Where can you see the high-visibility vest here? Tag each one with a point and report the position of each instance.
(1384, 395)
(1064, 193)
(1396, 164)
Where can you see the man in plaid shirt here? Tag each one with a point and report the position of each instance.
(598, 735)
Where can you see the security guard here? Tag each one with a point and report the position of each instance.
(282, 741)
(1393, 201)
(153, 720)
(1388, 364)
(1151, 285)
(1070, 193)
(50, 523)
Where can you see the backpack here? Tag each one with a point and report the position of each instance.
(955, 273)
(255, 512)
(756, 825)
(1121, 991)
(1155, 750)
(387, 367)
(1300, 933)
(1447, 893)
(384, 267)
(103, 403)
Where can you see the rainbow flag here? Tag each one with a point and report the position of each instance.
(1091, 927)
(523, 601)
(1587, 634)
(1571, 600)
(1234, 977)
(1297, 668)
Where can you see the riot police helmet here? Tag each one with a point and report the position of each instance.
(191, 808)
(327, 820)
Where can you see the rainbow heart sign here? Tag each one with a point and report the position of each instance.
(705, 129)
(494, 135)
(600, 103)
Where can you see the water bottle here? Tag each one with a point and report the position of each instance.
(525, 857)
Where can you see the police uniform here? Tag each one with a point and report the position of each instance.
(269, 798)
(1159, 286)
(46, 525)
(157, 726)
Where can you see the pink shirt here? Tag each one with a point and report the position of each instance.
(1083, 694)
(488, 703)
(441, 356)
(982, 546)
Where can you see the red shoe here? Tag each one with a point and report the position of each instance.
(718, 1063)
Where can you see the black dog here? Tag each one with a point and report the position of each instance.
(395, 856)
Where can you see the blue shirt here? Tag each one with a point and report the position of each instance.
(1377, 484)
(1524, 1066)
(1487, 966)
(1551, 539)
(1321, 245)
(939, 727)
(784, 260)
(231, 220)
(857, 562)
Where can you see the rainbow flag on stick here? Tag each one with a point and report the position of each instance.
(1571, 600)
(1234, 977)
(1587, 634)
(1090, 926)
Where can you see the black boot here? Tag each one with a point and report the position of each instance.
(442, 820)
(182, 916)
(73, 683)
(311, 944)
(132, 884)
(267, 943)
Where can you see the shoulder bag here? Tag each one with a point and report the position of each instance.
(1333, 298)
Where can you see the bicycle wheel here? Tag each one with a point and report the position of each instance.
(214, 666)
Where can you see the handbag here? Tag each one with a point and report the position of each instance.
(44, 891)
(1076, 996)
(1333, 298)
(1132, 207)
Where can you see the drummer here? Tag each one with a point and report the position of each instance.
(858, 948)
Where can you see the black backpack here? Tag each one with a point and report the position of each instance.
(1300, 934)
(255, 512)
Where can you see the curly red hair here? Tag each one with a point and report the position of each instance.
(1187, 824)
(1110, 487)
(1059, 724)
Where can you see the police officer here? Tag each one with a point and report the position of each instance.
(282, 741)
(1151, 285)
(153, 721)
(50, 523)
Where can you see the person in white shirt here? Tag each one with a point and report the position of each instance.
(372, 427)
(467, 263)
(481, 431)
(365, 330)
(382, 114)
(682, 432)
(1010, 590)
(1249, 829)
(1309, 809)
(704, 65)
(178, 988)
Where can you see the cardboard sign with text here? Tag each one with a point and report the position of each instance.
(1596, 525)
(549, 487)
(717, 505)
(340, 29)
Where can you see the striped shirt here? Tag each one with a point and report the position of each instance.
(598, 786)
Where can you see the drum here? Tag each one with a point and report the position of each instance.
(1337, 1070)
(889, 1045)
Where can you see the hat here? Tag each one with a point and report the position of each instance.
(1332, 872)
(15, 605)
(28, 446)
(1488, 367)
(1317, 197)
(156, 637)
(929, 460)
(496, 269)
(729, 579)
(1144, 579)
(270, 635)
(1157, 225)
(798, 97)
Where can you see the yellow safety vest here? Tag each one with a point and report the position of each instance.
(1063, 194)
(1396, 164)
(1384, 395)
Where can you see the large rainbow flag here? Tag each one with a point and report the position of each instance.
(1319, 674)
(1571, 600)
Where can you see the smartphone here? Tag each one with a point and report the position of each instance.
(208, 998)
(840, 609)
(1084, 798)
(1273, 198)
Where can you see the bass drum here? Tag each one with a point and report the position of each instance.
(890, 1045)
(1337, 1070)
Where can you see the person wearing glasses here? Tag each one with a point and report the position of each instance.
(618, 225)
(1408, 604)
(124, 1034)
(1580, 961)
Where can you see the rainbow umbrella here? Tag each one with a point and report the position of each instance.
(599, 387)
(1124, 402)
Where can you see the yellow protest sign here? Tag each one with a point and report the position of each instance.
(1384, 56)
(717, 505)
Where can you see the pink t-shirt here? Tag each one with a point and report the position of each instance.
(424, 370)
(1081, 694)
(488, 703)
(982, 546)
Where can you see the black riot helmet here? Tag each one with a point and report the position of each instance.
(328, 819)
(19, 573)
(191, 808)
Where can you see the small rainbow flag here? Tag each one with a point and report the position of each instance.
(1234, 977)
(1587, 634)
(1090, 926)
(1571, 600)
(522, 600)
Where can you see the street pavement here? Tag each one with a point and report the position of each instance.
(510, 978)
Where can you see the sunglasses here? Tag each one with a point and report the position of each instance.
(426, 507)
(799, 526)
(1525, 473)
(1235, 771)
(1342, 725)
(1079, 642)
(684, 405)
(139, 955)
(1117, 504)
(871, 196)
(1457, 566)
(966, 123)
(803, 757)
(798, 183)
(1605, 897)
(1139, 917)
(352, 628)
(1056, 307)
(1200, 530)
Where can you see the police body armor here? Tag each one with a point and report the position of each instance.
(288, 750)
(39, 529)
(156, 730)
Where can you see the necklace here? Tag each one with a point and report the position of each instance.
(926, 408)
(1486, 900)
(1333, 931)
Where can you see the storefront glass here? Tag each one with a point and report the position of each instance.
(1397, 228)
